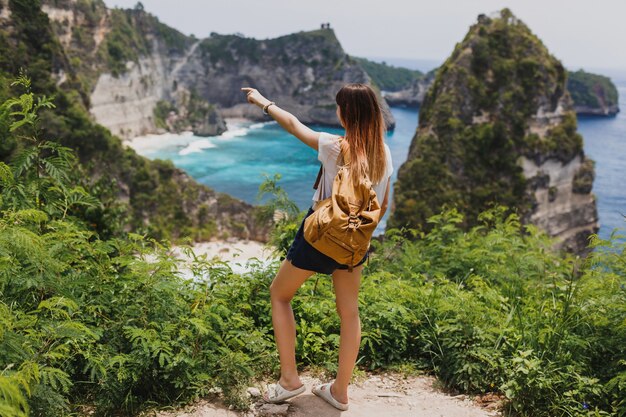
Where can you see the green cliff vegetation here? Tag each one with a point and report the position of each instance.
(474, 125)
(104, 40)
(388, 77)
(148, 196)
(189, 112)
(592, 90)
(123, 43)
(109, 326)
(228, 49)
(218, 48)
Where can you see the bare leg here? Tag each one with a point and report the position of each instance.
(346, 295)
(287, 281)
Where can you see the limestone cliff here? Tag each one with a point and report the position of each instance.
(413, 94)
(57, 48)
(498, 125)
(127, 62)
(131, 62)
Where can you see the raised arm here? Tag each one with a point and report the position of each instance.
(288, 121)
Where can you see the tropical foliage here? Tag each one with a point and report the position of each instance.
(136, 193)
(119, 324)
(591, 90)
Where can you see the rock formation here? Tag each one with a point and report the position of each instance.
(593, 94)
(128, 62)
(132, 62)
(498, 125)
(65, 51)
(413, 95)
(300, 72)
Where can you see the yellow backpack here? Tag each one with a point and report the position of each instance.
(342, 225)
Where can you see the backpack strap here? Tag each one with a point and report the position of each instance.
(319, 173)
(319, 176)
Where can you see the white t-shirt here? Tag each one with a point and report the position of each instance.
(328, 152)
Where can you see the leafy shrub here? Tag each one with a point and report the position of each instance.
(119, 323)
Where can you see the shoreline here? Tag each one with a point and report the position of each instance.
(147, 142)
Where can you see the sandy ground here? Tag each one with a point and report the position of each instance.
(237, 252)
(388, 395)
(231, 250)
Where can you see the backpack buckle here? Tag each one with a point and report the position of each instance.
(353, 221)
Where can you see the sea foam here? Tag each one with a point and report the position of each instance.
(145, 145)
(236, 128)
(197, 146)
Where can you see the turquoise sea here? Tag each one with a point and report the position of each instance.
(236, 161)
(605, 143)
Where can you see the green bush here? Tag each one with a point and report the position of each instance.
(120, 324)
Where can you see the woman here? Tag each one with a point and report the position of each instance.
(359, 113)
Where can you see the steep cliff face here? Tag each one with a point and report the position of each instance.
(498, 125)
(127, 62)
(131, 62)
(301, 72)
(156, 197)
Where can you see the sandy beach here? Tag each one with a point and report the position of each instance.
(231, 250)
(236, 252)
(235, 126)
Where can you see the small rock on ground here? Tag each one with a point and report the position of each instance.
(267, 410)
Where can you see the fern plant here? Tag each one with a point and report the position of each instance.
(39, 175)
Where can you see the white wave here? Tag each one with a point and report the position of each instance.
(236, 127)
(154, 142)
(232, 133)
(261, 124)
(197, 146)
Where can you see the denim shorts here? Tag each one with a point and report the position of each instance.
(304, 256)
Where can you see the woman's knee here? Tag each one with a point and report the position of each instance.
(347, 310)
(277, 294)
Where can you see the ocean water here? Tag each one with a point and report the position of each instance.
(236, 161)
(605, 143)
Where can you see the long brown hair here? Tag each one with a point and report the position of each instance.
(365, 131)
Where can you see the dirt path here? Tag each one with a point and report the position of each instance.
(388, 395)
